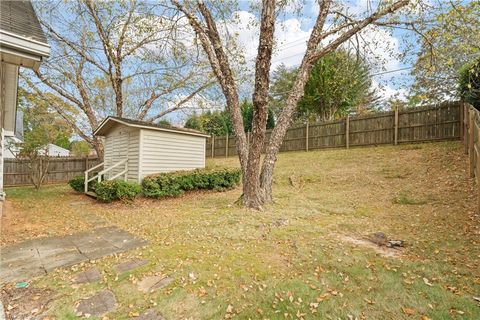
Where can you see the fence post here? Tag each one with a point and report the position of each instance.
(213, 146)
(226, 146)
(306, 136)
(395, 135)
(465, 126)
(471, 141)
(462, 133)
(347, 131)
(477, 150)
(86, 163)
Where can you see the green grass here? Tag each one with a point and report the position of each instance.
(300, 268)
(406, 197)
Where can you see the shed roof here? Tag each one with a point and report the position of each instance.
(109, 122)
(19, 18)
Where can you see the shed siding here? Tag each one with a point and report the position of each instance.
(165, 152)
(120, 143)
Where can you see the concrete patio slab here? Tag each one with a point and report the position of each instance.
(35, 257)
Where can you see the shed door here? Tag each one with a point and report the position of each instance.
(120, 145)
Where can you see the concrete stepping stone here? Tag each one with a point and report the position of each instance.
(150, 314)
(97, 305)
(88, 276)
(129, 265)
(152, 283)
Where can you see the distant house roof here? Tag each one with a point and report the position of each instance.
(109, 122)
(19, 18)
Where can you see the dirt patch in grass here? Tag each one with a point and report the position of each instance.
(381, 250)
(26, 303)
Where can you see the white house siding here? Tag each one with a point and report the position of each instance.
(164, 152)
(122, 142)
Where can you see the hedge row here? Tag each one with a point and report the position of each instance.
(111, 190)
(170, 184)
(108, 191)
(175, 183)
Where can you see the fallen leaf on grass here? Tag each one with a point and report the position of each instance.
(452, 311)
(202, 292)
(408, 311)
(427, 282)
(425, 318)
(323, 297)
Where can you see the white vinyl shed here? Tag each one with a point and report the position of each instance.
(135, 149)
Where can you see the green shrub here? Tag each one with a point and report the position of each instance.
(469, 83)
(78, 184)
(111, 190)
(173, 184)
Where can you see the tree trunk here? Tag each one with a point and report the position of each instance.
(252, 193)
(98, 146)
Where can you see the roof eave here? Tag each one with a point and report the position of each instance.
(97, 131)
(24, 44)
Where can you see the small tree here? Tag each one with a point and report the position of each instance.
(339, 83)
(80, 148)
(451, 37)
(34, 152)
(469, 83)
(42, 126)
(219, 123)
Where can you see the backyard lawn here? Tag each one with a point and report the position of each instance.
(304, 257)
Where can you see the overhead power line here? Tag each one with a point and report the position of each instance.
(390, 71)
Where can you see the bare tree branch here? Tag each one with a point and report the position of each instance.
(181, 103)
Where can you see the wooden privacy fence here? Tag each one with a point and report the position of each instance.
(470, 131)
(61, 169)
(432, 123)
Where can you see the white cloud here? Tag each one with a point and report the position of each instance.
(388, 92)
(290, 39)
(291, 43)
